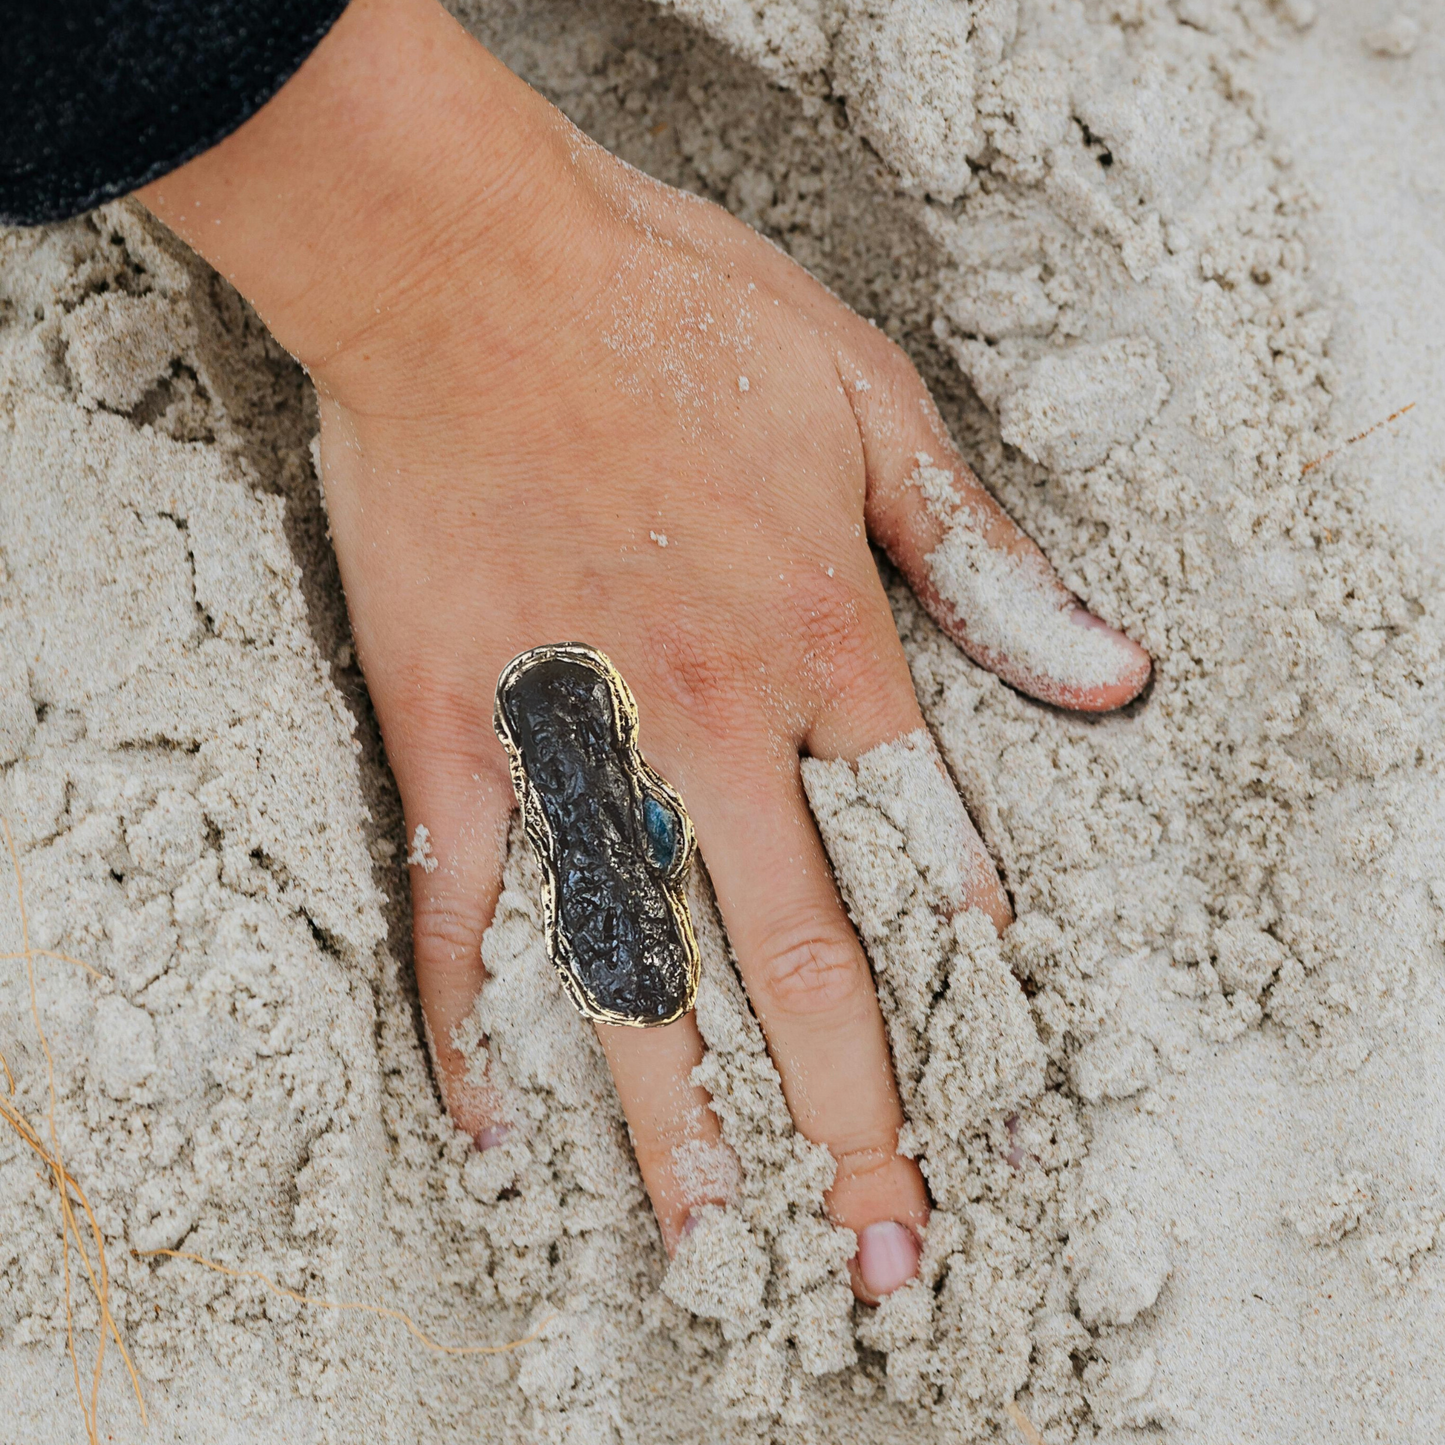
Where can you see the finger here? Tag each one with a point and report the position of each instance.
(813, 993)
(872, 704)
(458, 799)
(455, 867)
(983, 580)
(675, 1133)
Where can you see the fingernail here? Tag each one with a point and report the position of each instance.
(1082, 617)
(1120, 650)
(492, 1135)
(1015, 1155)
(887, 1257)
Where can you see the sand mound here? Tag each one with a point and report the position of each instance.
(1181, 1124)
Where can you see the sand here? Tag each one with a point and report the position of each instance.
(1182, 1125)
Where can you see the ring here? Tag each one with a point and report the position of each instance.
(612, 837)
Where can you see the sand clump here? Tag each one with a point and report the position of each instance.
(1150, 1115)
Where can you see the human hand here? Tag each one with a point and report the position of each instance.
(560, 401)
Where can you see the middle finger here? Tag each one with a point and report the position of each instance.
(813, 992)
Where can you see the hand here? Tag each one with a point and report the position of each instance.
(559, 402)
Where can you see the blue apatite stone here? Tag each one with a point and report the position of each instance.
(662, 832)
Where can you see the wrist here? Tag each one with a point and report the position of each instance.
(401, 165)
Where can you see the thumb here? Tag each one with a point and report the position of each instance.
(985, 582)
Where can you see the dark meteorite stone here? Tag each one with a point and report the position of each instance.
(608, 838)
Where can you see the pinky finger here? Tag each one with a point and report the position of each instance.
(983, 579)
(994, 592)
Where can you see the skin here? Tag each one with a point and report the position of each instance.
(527, 357)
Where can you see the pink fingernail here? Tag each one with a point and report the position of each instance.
(887, 1257)
(492, 1135)
(1082, 617)
(1015, 1155)
(1128, 655)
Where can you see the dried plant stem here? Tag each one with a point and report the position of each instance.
(1025, 1425)
(69, 1193)
(91, 1250)
(1358, 437)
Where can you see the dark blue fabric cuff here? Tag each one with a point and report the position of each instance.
(98, 97)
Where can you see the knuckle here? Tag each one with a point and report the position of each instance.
(835, 628)
(445, 933)
(888, 362)
(698, 675)
(832, 609)
(864, 1166)
(903, 411)
(843, 646)
(439, 714)
(816, 972)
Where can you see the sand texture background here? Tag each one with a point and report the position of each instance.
(1183, 1125)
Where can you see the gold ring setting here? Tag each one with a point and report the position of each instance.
(611, 836)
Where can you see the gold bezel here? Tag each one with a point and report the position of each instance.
(643, 778)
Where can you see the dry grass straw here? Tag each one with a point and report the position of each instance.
(69, 1193)
(1026, 1426)
(86, 1240)
(1358, 437)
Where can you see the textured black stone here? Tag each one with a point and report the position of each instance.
(614, 843)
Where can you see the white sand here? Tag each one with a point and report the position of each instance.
(1183, 1125)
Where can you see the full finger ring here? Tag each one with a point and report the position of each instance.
(612, 837)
